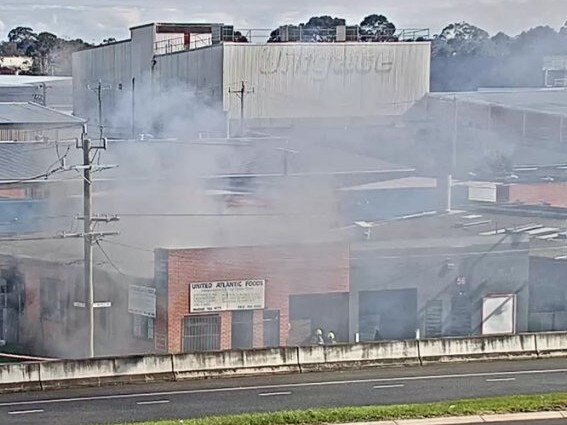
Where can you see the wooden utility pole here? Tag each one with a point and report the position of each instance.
(87, 239)
(241, 93)
(89, 236)
(98, 91)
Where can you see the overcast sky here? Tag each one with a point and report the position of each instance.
(94, 20)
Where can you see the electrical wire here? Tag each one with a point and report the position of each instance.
(114, 266)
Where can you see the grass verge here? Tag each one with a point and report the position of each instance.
(497, 405)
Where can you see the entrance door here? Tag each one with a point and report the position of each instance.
(387, 315)
(242, 329)
(271, 328)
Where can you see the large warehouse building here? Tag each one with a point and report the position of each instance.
(285, 83)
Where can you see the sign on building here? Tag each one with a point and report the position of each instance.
(499, 314)
(227, 295)
(142, 300)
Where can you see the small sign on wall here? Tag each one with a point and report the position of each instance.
(227, 295)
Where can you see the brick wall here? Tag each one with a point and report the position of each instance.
(300, 269)
(12, 193)
(554, 194)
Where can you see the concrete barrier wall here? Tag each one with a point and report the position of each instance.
(551, 344)
(96, 372)
(358, 355)
(229, 363)
(17, 377)
(466, 349)
(107, 371)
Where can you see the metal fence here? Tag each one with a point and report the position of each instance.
(298, 34)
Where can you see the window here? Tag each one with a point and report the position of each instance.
(271, 328)
(201, 333)
(242, 329)
(52, 303)
(142, 326)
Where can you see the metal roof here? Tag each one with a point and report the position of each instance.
(26, 160)
(413, 182)
(545, 101)
(27, 80)
(28, 113)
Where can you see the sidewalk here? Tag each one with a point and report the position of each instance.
(513, 417)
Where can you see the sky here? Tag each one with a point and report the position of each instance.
(94, 20)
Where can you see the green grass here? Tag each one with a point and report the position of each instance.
(498, 405)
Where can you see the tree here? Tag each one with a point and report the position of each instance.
(239, 37)
(324, 21)
(461, 39)
(24, 38)
(377, 28)
(44, 47)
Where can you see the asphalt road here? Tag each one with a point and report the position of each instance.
(269, 393)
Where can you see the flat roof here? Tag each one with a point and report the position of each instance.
(539, 100)
(402, 183)
(26, 80)
(22, 113)
(477, 226)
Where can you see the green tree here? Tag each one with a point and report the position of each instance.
(44, 48)
(376, 28)
(24, 38)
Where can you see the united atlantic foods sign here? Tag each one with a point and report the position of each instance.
(227, 295)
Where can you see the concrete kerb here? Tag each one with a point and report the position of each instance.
(511, 417)
(18, 377)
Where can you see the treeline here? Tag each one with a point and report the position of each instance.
(464, 56)
(50, 54)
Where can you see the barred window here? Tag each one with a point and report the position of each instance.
(201, 333)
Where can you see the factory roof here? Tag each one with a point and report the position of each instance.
(27, 80)
(28, 113)
(477, 226)
(412, 182)
(539, 100)
(30, 160)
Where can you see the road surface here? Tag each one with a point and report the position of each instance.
(269, 393)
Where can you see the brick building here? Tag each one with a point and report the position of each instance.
(42, 303)
(299, 288)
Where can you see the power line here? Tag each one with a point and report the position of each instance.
(114, 266)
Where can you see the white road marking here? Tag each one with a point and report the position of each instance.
(142, 403)
(280, 386)
(500, 379)
(379, 387)
(275, 394)
(25, 412)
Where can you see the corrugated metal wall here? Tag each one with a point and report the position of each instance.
(199, 70)
(112, 66)
(343, 81)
